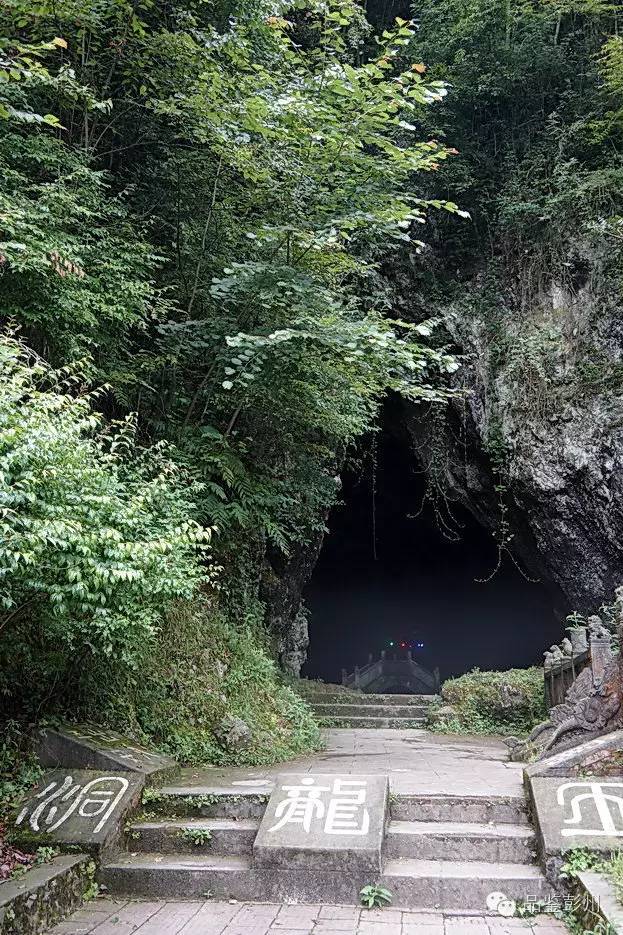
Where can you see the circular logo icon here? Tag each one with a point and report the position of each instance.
(494, 900)
(507, 907)
(500, 903)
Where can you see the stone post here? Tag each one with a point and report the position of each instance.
(409, 655)
(437, 679)
(601, 654)
(370, 657)
(383, 654)
(579, 642)
(356, 676)
(344, 676)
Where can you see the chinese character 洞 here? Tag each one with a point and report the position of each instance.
(96, 799)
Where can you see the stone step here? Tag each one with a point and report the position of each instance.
(334, 710)
(425, 884)
(372, 699)
(210, 801)
(454, 884)
(205, 802)
(227, 836)
(376, 723)
(499, 842)
(459, 808)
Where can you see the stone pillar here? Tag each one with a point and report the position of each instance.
(370, 657)
(344, 676)
(579, 642)
(601, 654)
(356, 676)
(383, 654)
(409, 655)
(437, 679)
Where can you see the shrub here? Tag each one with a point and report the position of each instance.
(510, 702)
(101, 615)
(201, 668)
(96, 533)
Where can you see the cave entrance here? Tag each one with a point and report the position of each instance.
(389, 580)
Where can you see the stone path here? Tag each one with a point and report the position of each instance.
(419, 764)
(109, 917)
(416, 761)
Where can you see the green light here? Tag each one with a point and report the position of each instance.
(391, 642)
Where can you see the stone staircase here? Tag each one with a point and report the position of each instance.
(440, 851)
(354, 709)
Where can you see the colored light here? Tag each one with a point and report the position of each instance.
(391, 642)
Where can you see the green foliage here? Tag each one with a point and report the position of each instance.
(581, 859)
(510, 702)
(96, 532)
(535, 112)
(75, 269)
(196, 202)
(19, 767)
(200, 667)
(261, 349)
(613, 868)
(375, 896)
(198, 837)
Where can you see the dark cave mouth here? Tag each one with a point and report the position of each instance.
(388, 578)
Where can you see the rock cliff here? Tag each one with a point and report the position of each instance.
(534, 449)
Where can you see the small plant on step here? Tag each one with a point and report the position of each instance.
(374, 896)
(578, 860)
(199, 837)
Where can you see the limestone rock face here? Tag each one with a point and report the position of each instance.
(283, 580)
(542, 396)
(437, 716)
(234, 733)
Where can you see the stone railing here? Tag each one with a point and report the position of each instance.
(392, 671)
(586, 647)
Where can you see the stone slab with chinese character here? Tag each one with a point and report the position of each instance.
(324, 822)
(575, 812)
(81, 807)
(87, 746)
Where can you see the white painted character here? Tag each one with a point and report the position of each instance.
(97, 799)
(602, 802)
(346, 814)
(301, 806)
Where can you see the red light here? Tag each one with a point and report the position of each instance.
(403, 645)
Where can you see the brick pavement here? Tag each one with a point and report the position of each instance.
(106, 916)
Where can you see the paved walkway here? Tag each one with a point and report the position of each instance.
(109, 917)
(416, 761)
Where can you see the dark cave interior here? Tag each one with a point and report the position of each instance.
(421, 587)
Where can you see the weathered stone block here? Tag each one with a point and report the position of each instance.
(44, 895)
(601, 754)
(86, 746)
(324, 821)
(81, 807)
(572, 812)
